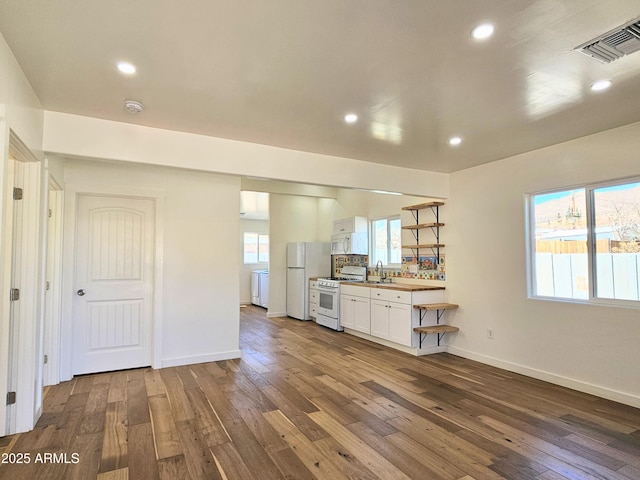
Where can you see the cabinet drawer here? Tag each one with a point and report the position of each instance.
(313, 296)
(313, 284)
(354, 290)
(313, 310)
(391, 295)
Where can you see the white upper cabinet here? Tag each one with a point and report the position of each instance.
(351, 225)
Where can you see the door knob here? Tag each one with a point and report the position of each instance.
(81, 292)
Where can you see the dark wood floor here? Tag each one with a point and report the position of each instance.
(305, 402)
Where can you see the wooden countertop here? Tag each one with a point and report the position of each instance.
(404, 287)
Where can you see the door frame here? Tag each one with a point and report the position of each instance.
(53, 283)
(27, 340)
(72, 193)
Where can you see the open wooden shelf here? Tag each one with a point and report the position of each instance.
(426, 245)
(439, 329)
(422, 225)
(435, 306)
(423, 205)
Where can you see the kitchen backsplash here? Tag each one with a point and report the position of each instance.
(428, 268)
(340, 261)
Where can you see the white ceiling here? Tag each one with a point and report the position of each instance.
(285, 72)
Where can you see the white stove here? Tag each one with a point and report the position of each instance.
(329, 296)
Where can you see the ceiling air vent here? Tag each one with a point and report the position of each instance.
(615, 44)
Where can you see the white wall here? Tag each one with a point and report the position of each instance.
(292, 218)
(587, 347)
(94, 138)
(21, 113)
(201, 254)
(255, 226)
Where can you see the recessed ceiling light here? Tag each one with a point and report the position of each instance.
(351, 118)
(455, 141)
(483, 31)
(126, 68)
(600, 85)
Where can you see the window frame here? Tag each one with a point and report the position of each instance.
(259, 259)
(389, 219)
(589, 189)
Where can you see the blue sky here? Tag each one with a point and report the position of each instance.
(539, 199)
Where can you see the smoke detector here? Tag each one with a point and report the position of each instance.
(615, 44)
(132, 106)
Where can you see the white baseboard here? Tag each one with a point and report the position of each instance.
(276, 314)
(191, 359)
(571, 383)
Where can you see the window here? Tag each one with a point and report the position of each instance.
(586, 243)
(386, 241)
(256, 248)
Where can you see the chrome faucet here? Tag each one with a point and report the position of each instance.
(381, 271)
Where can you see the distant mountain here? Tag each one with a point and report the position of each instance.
(617, 208)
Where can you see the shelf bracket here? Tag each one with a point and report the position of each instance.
(439, 313)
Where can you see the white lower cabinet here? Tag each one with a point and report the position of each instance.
(385, 313)
(380, 318)
(313, 298)
(400, 330)
(362, 314)
(355, 310)
(391, 321)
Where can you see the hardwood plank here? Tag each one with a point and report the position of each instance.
(120, 474)
(165, 436)
(198, 457)
(395, 455)
(114, 442)
(360, 450)
(207, 419)
(181, 408)
(263, 431)
(142, 457)
(88, 447)
(314, 459)
(93, 417)
(137, 405)
(231, 464)
(118, 387)
(251, 451)
(153, 383)
(290, 465)
(435, 465)
(173, 468)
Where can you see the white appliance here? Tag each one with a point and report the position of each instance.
(304, 260)
(350, 244)
(260, 288)
(329, 296)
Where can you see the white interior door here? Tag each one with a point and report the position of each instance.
(113, 306)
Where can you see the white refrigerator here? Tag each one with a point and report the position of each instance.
(304, 260)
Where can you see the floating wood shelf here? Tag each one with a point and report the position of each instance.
(423, 205)
(425, 245)
(435, 306)
(439, 329)
(423, 225)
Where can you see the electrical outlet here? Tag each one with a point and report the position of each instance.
(490, 333)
